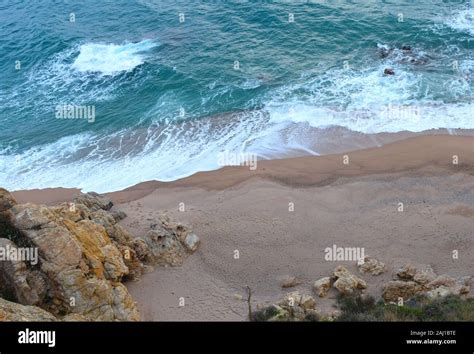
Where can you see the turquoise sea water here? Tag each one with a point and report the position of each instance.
(173, 83)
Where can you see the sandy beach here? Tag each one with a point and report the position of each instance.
(281, 217)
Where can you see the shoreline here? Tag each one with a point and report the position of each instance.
(436, 149)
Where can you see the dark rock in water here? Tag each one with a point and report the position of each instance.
(406, 48)
(385, 52)
(389, 71)
(418, 61)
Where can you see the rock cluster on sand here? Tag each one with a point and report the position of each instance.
(372, 266)
(167, 243)
(84, 255)
(293, 307)
(342, 280)
(346, 282)
(411, 281)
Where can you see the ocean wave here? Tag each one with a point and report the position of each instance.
(109, 59)
(390, 118)
(79, 74)
(367, 101)
(115, 161)
(462, 20)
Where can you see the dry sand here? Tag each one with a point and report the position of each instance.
(353, 205)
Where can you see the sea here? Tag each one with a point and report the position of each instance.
(104, 94)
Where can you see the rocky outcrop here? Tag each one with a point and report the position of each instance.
(422, 280)
(346, 282)
(342, 280)
(11, 311)
(372, 266)
(83, 255)
(167, 243)
(6, 200)
(16, 280)
(80, 267)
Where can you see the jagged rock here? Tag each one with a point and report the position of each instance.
(444, 285)
(346, 282)
(83, 256)
(6, 200)
(142, 250)
(118, 215)
(183, 233)
(290, 281)
(291, 299)
(372, 266)
(17, 281)
(422, 280)
(321, 287)
(442, 280)
(79, 266)
(11, 311)
(164, 247)
(307, 302)
(135, 267)
(424, 276)
(295, 299)
(407, 272)
(94, 201)
(114, 265)
(396, 289)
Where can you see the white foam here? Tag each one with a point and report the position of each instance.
(368, 102)
(81, 73)
(462, 21)
(167, 154)
(109, 59)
